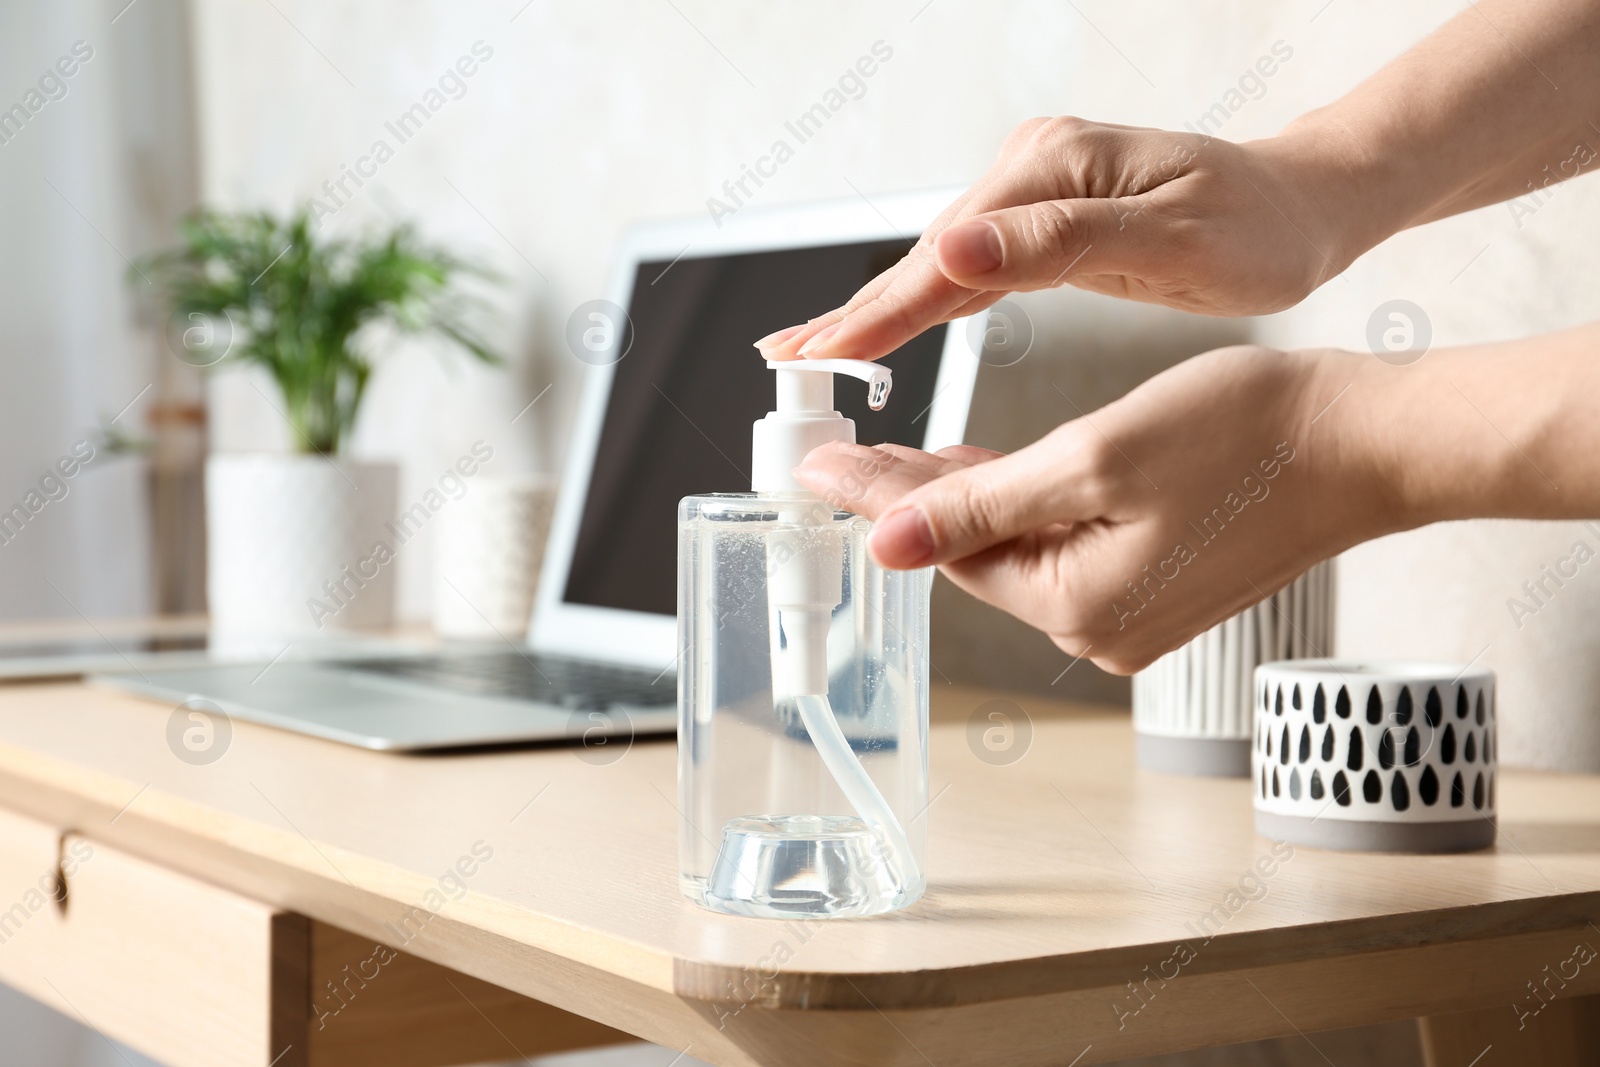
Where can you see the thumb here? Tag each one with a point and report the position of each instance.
(1041, 245)
(969, 510)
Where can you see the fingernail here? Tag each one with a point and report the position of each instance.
(971, 248)
(904, 539)
(804, 475)
(772, 340)
(820, 338)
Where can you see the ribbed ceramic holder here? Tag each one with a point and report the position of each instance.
(1191, 707)
(1375, 757)
(487, 557)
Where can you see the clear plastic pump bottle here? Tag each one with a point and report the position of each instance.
(803, 685)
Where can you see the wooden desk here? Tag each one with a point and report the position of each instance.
(1079, 912)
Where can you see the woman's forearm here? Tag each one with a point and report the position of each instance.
(1500, 101)
(1508, 430)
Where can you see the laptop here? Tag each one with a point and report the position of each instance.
(669, 396)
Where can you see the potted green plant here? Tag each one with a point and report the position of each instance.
(287, 530)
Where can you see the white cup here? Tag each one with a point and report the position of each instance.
(487, 556)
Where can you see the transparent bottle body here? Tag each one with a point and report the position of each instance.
(766, 827)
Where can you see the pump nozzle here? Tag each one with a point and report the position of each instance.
(879, 378)
(805, 558)
(804, 417)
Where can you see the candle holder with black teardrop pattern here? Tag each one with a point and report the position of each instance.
(1385, 757)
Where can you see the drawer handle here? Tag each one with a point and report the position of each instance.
(72, 851)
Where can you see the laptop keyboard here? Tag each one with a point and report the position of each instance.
(581, 685)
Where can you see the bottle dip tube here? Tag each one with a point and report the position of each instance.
(803, 688)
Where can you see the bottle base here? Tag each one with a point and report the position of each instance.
(815, 866)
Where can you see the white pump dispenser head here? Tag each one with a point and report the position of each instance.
(804, 579)
(804, 417)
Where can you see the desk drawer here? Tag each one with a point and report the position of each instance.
(185, 972)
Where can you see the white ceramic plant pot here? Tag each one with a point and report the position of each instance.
(297, 545)
(490, 547)
(1192, 707)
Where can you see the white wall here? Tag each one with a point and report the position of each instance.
(589, 116)
(69, 355)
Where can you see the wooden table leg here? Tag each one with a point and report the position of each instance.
(1563, 1032)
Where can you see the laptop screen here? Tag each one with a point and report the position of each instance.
(677, 421)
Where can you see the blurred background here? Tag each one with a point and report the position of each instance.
(583, 118)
